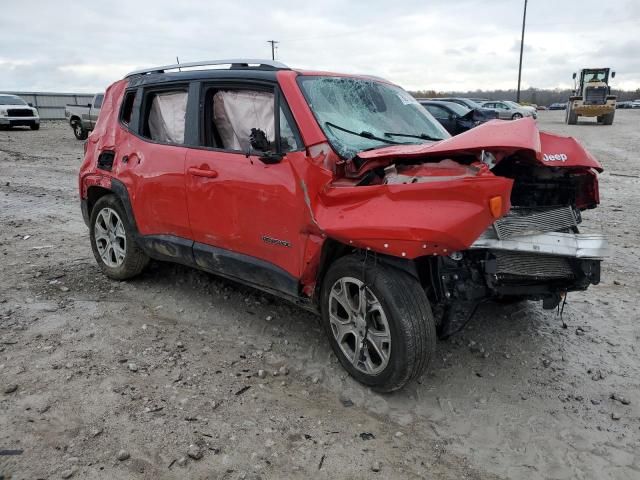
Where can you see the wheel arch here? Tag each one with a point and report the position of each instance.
(73, 119)
(117, 188)
(333, 250)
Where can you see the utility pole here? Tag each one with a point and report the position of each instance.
(524, 19)
(273, 48)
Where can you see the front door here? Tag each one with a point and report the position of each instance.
(246, 213)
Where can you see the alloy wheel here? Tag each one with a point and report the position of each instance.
(110, 237)
(359, 325)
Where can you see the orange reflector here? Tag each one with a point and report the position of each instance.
(495, 205)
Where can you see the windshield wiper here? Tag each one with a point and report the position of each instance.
(422, 136)
(363, 134)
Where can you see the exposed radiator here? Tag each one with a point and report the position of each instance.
(531, 265)
(527, 221)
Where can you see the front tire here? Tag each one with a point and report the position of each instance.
(608, 118)
(516, 116)
(379, 322)
(34, 126)
(112, 241)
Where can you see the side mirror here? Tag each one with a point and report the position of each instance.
(613, 74)
(574, 75)
(89, 105)
(260, 143)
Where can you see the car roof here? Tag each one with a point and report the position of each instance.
(254, 69)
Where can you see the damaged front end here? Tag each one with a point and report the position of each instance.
(492, 213)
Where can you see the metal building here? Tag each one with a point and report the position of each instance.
(51, 105)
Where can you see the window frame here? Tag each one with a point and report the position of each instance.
(205, 112)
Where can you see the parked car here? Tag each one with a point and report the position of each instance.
(635, 104)
(454, 117)
(625, 104)
(558, 106)
(340, 193)
(15, 112)
(465, 102)
(83, 118)
(509, 110)
(532, 108)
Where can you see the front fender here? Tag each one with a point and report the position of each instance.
(412, 220)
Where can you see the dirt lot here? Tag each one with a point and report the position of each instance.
(158, 377)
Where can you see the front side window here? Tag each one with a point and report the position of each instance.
(165, 120)
(235, 117)
(98, 102)
(239, 113)
(359, 114)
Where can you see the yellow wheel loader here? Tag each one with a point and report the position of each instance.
(592, 97)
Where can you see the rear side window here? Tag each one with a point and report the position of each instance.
(127, 107)
(165, 116)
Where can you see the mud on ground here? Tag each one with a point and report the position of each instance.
(159, 377)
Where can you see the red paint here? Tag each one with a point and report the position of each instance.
(232, 201)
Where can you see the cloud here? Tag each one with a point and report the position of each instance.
(442, 45)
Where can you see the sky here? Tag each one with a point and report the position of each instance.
(442, 45)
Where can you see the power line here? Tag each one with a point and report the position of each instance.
(273, 48)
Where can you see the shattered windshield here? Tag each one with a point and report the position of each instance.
(359, 114)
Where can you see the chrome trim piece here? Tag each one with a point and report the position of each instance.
(577, 245)
(241, 62)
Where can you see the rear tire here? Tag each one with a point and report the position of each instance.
(112, 240)
(394, 340)
(79, 132)
(516, 116)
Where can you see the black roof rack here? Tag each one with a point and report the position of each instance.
(238, 63)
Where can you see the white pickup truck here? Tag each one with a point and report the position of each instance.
(15, 112)
(83, 118)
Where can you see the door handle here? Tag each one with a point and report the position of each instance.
(199, 172)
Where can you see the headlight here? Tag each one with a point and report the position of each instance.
(3, 112)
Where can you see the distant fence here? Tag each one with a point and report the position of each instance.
(51, 105)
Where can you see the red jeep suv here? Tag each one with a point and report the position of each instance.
(340, 193)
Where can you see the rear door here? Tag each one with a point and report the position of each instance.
(246, 213)
(151, 159)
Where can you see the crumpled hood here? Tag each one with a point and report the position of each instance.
(498, 136)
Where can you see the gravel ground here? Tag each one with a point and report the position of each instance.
(180, 374)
